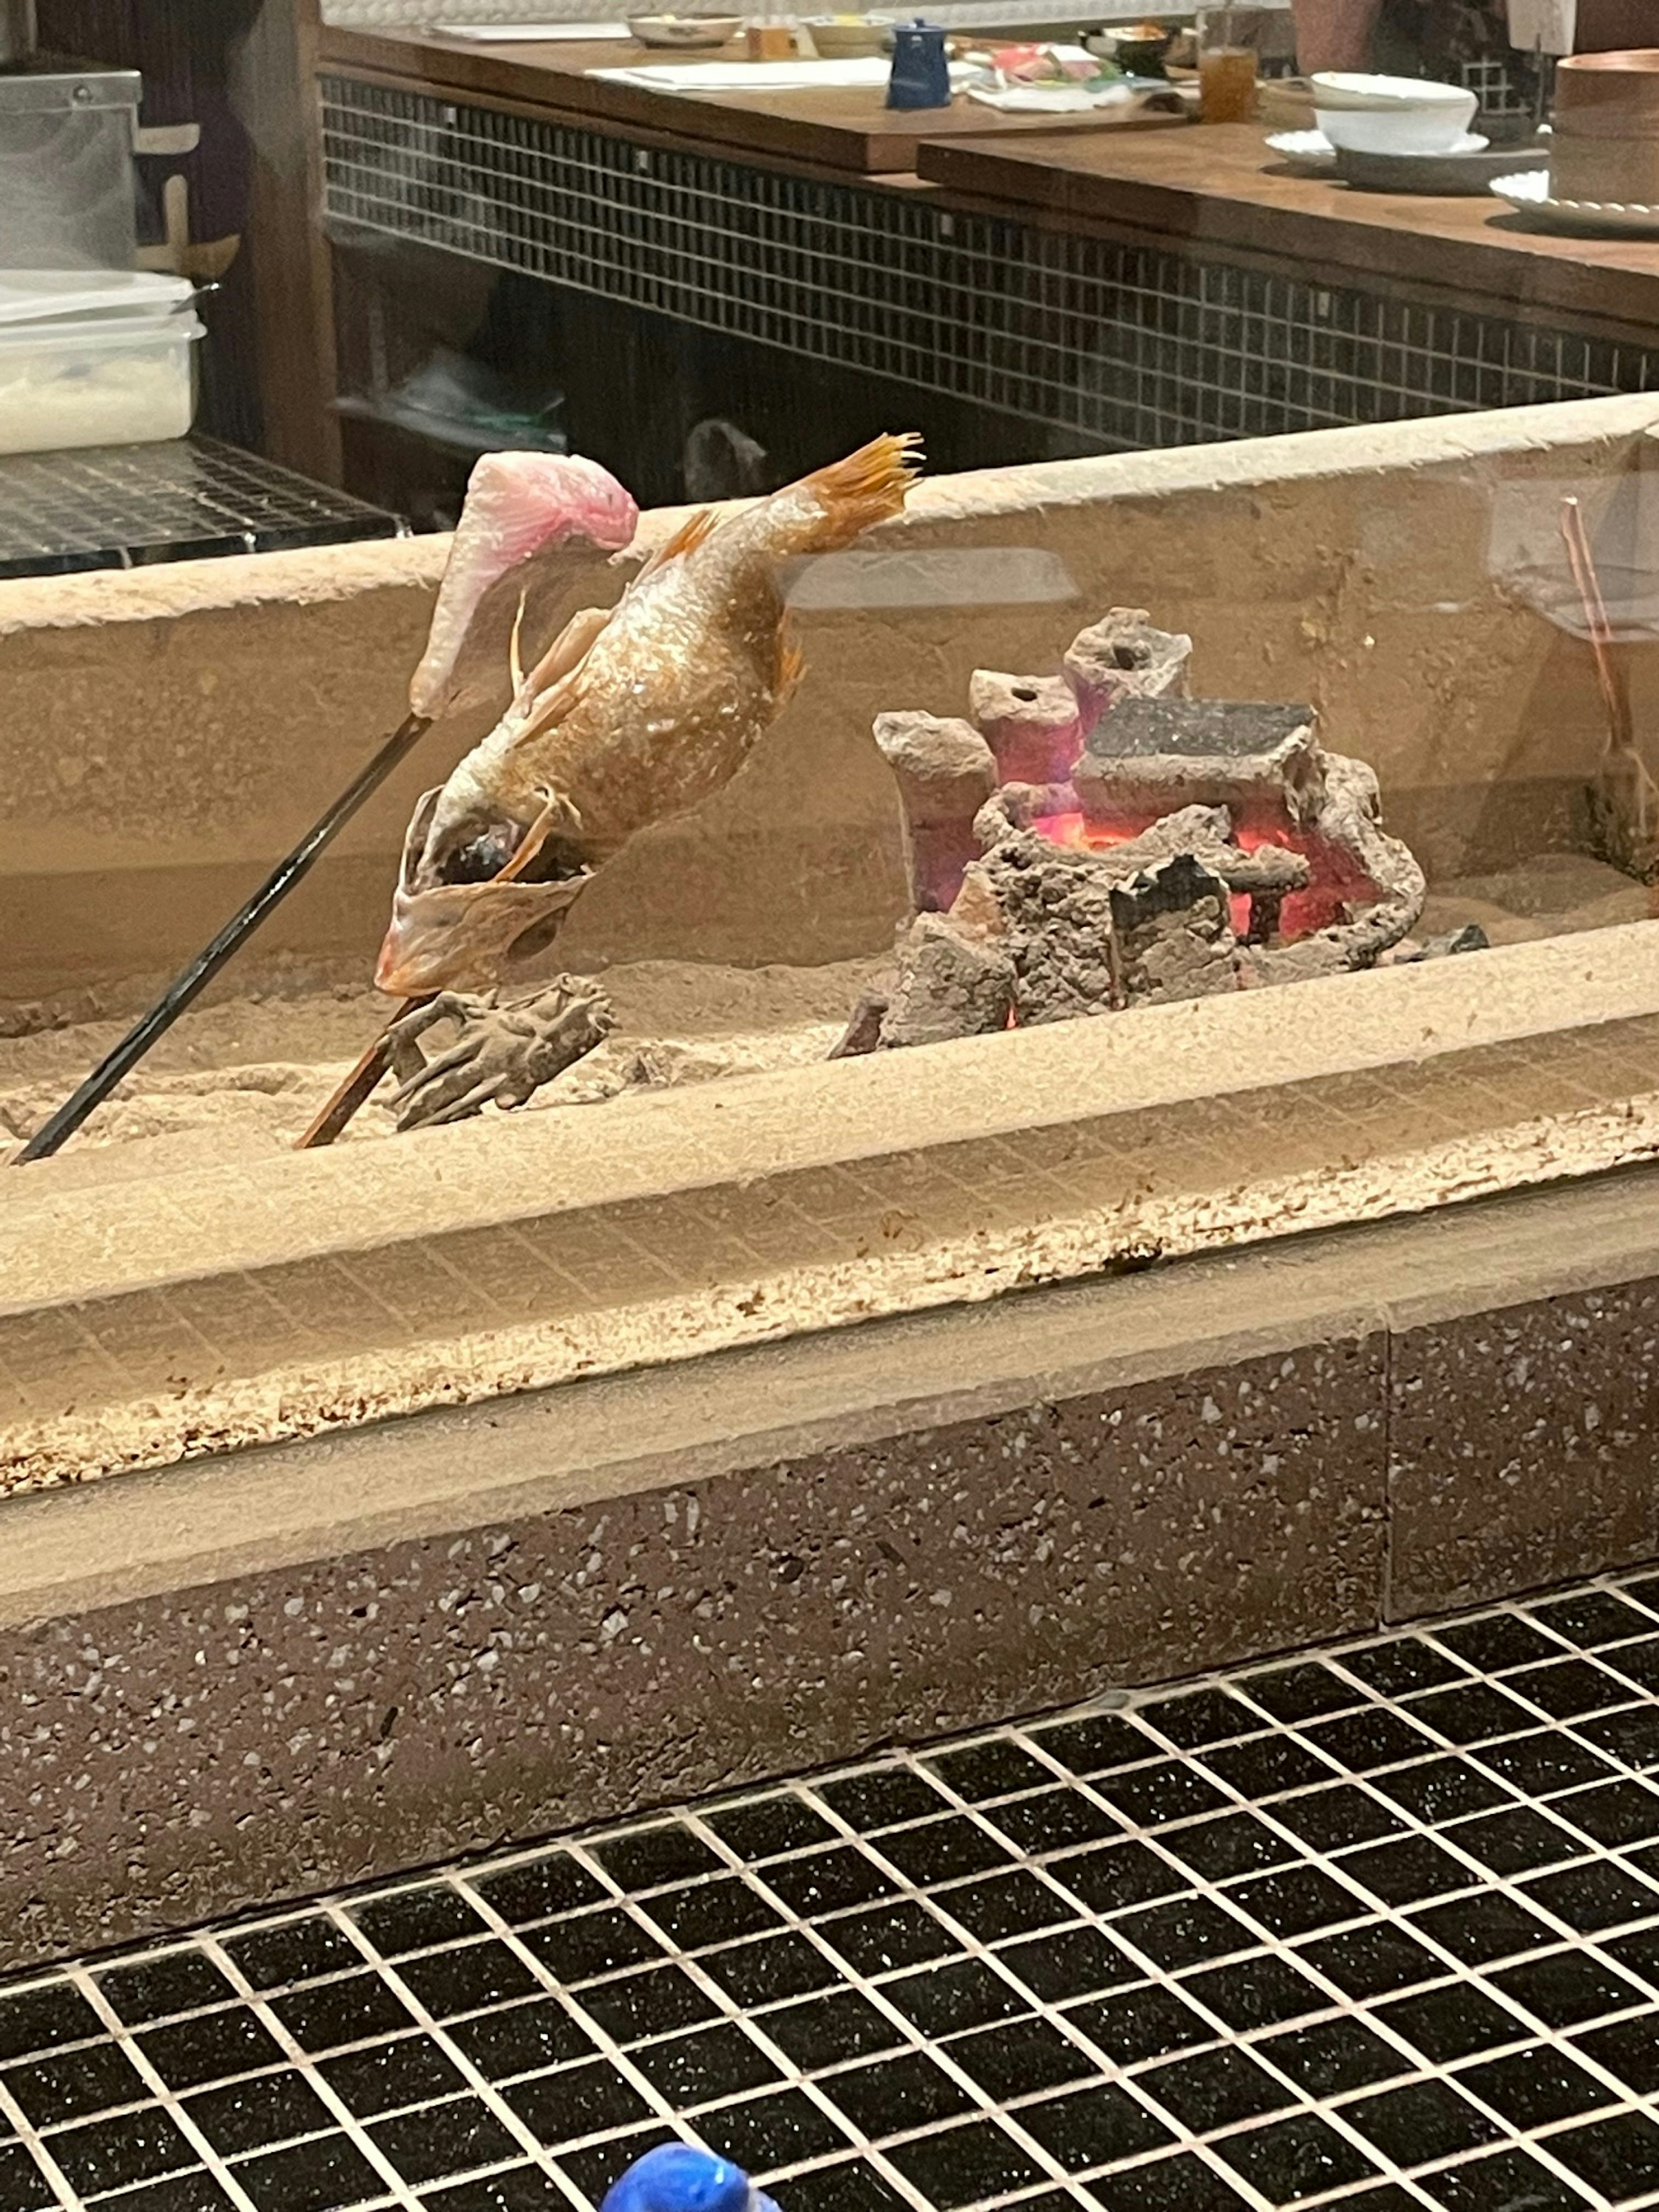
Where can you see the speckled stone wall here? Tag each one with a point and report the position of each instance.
(164, 1761)
(503, 1621)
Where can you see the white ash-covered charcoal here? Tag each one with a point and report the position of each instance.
(863, 1031)
(945, 772)
(1206, 833)
(1149, 757)
(1031, 723)
(1172, 934)
(1348, 819)
(951, 982)
(1013, 808)
(1055, 902)
(1123, 656)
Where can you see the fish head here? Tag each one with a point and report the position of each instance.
(449, 934)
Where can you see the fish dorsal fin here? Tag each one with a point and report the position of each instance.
(686, 539)
(792, 666)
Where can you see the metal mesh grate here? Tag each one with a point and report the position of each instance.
(1120, 345)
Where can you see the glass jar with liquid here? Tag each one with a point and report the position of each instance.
(1226, 70)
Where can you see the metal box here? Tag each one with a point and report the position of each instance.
(66, 166)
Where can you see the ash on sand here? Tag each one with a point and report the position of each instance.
(243, 1077)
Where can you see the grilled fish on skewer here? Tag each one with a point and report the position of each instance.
(633, 715)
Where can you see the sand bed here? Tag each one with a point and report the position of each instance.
(243, 1078)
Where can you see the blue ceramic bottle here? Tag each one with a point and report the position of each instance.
(921, 74)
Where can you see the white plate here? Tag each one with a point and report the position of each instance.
(1528, 192)
(1312, 151)
(1307, 149)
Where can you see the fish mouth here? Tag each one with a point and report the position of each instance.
(459, 936)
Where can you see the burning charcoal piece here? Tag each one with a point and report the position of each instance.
(945, 772)
(1171, 935)
(1148, 847)
(1031, 723)
(1149, 756)
(1123, 657)
(951, 983)
(1387, 885)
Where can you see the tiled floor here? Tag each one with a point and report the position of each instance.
(1379, 1930)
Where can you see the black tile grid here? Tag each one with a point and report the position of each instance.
(122, 506)
(1113, 343)
(1377, 1928)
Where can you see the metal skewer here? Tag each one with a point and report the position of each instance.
(188, 985)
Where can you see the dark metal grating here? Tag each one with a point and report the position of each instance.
(1375, 1929)
(123, 507)
(1120, 345)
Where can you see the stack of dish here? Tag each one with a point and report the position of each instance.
(1603, 173)
(1365, 114)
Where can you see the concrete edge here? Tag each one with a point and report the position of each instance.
(212, 1221)
(71, 1550)
(340, 571)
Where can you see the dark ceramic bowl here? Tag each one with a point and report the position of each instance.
(1143, 56)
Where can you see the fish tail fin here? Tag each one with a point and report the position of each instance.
(867, 486)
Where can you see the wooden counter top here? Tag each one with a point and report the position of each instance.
(849, 129)
(1220, 185)
(1205, 185)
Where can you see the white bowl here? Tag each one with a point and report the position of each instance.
(1390, 114)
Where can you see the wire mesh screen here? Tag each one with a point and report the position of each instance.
(1119, 345)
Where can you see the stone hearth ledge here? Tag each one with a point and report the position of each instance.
(239, 1680)
(208, 1311)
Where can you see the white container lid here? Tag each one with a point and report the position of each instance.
(69, 341)
(82, 295)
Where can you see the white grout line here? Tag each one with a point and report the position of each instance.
(168, 2100)
(261, 2003)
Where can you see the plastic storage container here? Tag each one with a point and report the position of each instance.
(95, 360)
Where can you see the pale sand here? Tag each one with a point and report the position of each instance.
(243, 1078)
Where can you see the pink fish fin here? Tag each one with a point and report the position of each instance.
(868, 487)
(686, 539)
(567, 652)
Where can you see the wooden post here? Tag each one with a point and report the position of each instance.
(272, 85)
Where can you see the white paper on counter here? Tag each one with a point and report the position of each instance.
(750, 76)
(494, 35)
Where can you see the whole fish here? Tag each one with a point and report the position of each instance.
(635, 714)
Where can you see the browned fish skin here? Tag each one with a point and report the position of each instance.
(690, 671)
